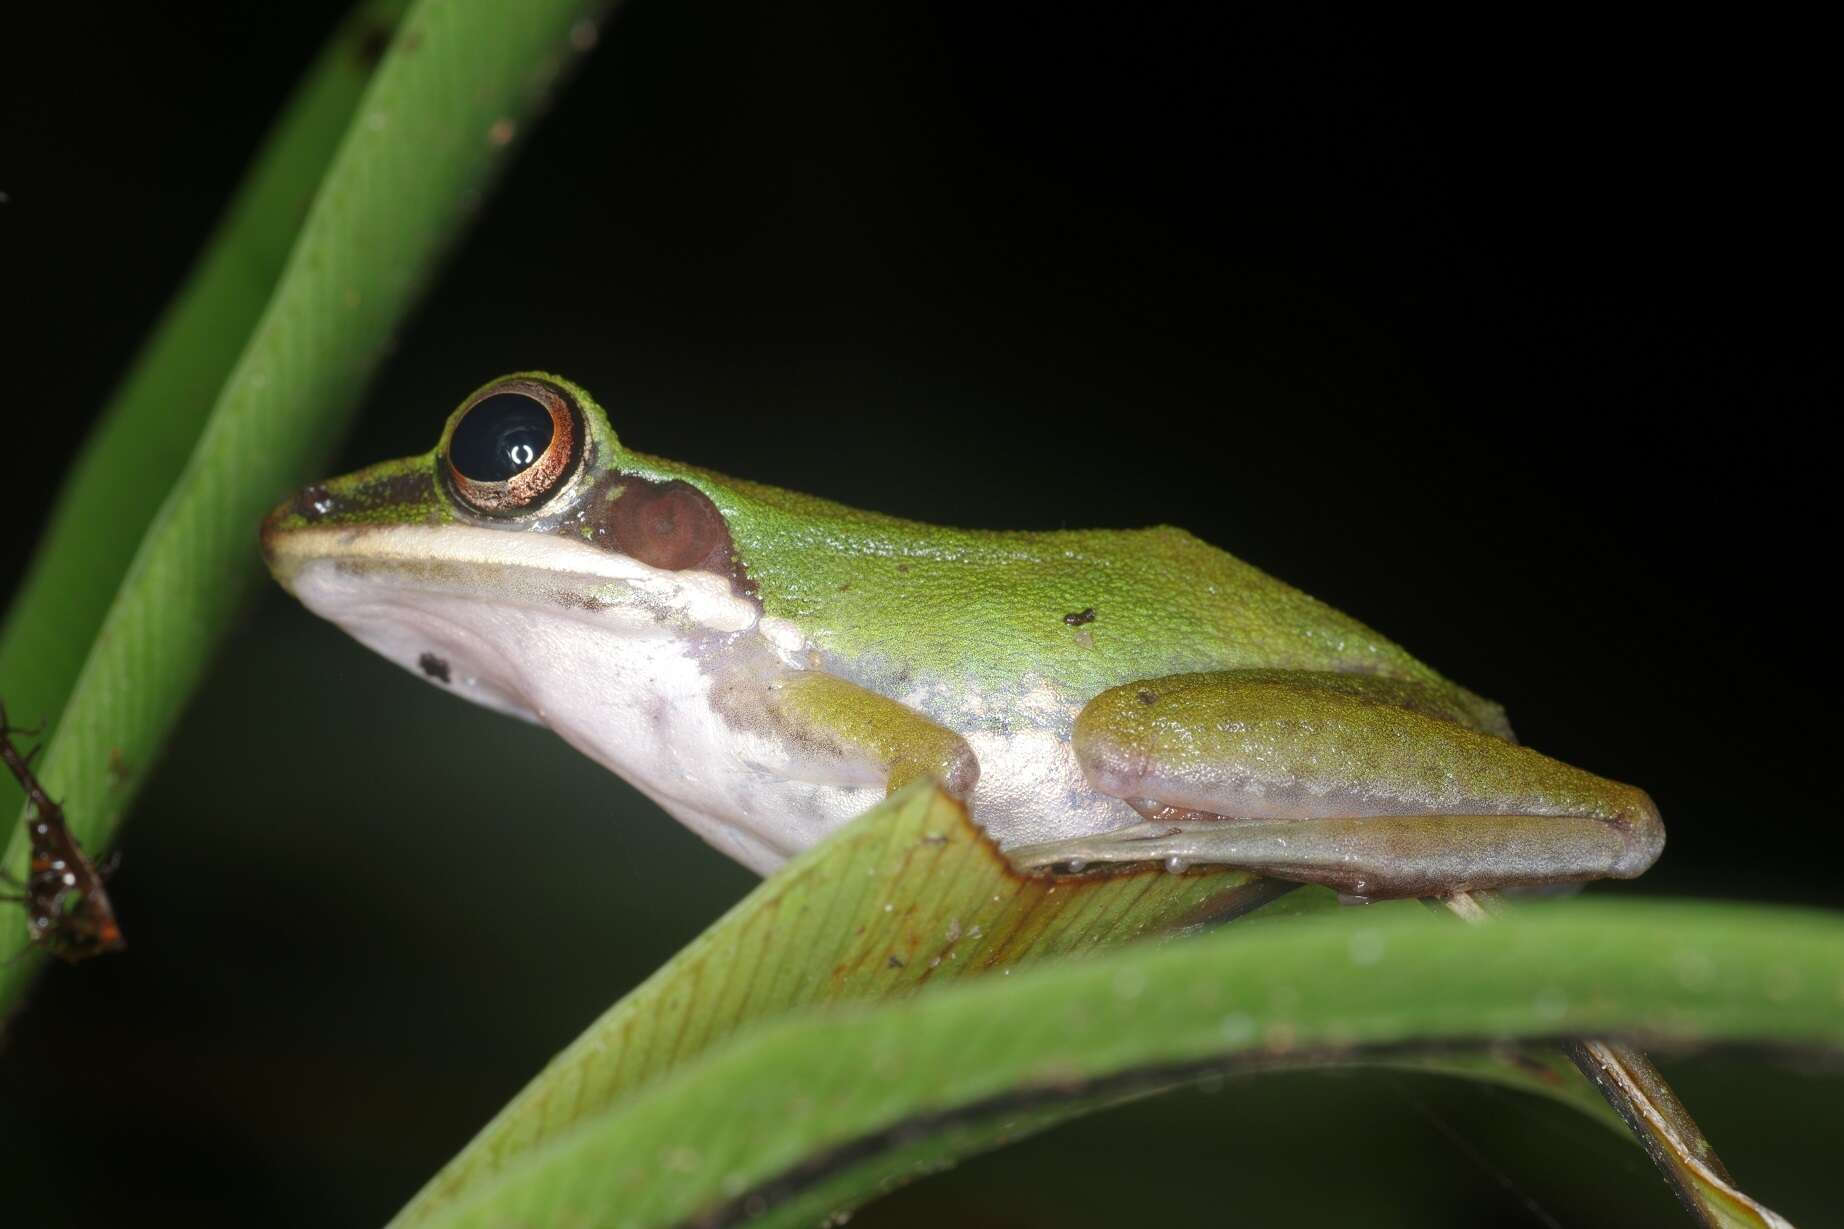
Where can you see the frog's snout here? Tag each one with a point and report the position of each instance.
(270, 531)
(274, 528)
(309, 505)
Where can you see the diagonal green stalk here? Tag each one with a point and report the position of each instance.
(461, 79)
(146, 432)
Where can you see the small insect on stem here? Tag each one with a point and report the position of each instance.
(67, 910)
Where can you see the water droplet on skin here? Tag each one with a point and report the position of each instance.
(1346, 898)
(1076, 865)
(1175, 865)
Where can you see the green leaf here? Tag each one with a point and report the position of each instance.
(910, 894)
(458, 83)
(802, 1115)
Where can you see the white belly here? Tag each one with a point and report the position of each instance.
(638, 697)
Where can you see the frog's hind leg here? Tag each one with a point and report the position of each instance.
(1376, 787)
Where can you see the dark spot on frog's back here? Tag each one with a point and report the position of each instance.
(669, 525)
(433, 666)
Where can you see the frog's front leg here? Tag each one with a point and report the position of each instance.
(1374, 786)
(827, 730)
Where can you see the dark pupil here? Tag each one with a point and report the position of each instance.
(500, 437)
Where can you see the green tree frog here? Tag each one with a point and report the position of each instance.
(766, 665)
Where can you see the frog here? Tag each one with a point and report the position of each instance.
(766, 665)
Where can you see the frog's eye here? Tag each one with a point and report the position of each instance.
(513, 446)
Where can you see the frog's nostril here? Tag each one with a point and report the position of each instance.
(308, 504)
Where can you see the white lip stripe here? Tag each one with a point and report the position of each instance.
(456, 544)
(509, 560)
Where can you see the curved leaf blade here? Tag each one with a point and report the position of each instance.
(810, 1104)
(909, 894)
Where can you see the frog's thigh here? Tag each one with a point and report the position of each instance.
(831, 731)
(1364, 784)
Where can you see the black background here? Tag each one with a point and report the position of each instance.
(1514, 338)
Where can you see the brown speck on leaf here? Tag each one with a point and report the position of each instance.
(501, 133)
(1146, 697)
(935, 838)
(902, 567)
(895, 962)
(845, 586)
(118, 766)
(1078, 618)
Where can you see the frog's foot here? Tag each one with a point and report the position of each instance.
(1361, 784)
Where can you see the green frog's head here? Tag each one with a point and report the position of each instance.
(527, 536)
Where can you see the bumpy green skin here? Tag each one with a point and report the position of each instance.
(894, 604)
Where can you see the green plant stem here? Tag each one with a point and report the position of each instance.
(144, 435)
(460, 81)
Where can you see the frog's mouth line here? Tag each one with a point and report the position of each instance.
(534, 569)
